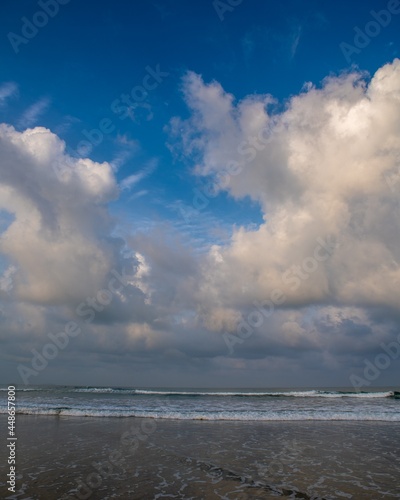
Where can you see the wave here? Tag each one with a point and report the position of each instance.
(288, 394)
(104, 390)
(191, 393)
(244, 416)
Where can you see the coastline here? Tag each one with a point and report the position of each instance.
(74, 458)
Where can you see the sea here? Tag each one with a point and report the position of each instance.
(237, 444)
(328, 404)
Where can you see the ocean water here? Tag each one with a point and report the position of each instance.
(202, 404)
(314, 444)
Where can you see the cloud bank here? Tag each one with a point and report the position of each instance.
(326, 165)
(317, 281)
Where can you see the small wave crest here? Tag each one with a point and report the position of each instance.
(244, 416)
(287, 394)
(198, 393)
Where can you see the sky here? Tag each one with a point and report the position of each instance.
(200, 194)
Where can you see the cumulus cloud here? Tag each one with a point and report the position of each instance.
(59, 251)
(321, 168)
(315, 284)
(313, 287)
(56, 239)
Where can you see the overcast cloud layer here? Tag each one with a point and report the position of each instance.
(313, 288)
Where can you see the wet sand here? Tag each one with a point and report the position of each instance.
(104, 458)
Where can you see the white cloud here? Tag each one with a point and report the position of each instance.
(32, 114)
(128, 148)
(295, 40)
(6, 280)
(331, 167)
(7, 90)
(56, 240)
(131, 180)
(320, 169)
(124, 140)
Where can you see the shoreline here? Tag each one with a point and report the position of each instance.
(90, 457)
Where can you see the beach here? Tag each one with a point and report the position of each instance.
(61, 457)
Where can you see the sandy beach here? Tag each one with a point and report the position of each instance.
(103, 458)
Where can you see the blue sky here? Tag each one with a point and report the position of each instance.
(205, 76)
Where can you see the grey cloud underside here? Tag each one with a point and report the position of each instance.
(329, 168)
